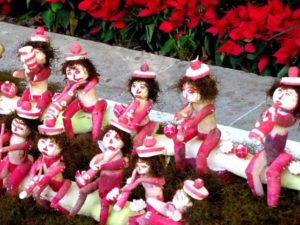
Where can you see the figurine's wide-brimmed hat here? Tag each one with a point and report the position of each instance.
(40, 35)
(149, 148)
(144, 72)
(195, 189)
(75, 53)
(293, 79)
(197, 70)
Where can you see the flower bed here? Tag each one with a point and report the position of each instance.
(262, 38)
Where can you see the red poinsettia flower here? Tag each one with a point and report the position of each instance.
(56, 1)
(166, 26)
(249, 47)
(231, 48)
(119, 24)
(5, 8)
(263, 61)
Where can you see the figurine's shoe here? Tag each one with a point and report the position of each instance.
(50, 122)
(25, 105)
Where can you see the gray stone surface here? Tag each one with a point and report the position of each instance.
(242, 95)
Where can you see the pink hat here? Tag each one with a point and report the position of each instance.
(197, 70)
(149, 148)
(293, 79)
(144, 72)
(76, 53)
(40, 35)
(195, 189)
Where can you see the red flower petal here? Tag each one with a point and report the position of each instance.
(263, 61)
(249, 47)
(119, 24)
(231, 48)
(166, 26)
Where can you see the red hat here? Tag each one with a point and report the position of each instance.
(76, 53)
(195, 189)
(293, 79)
(40, 35)
(197, 70)
(149, 148)
(144, 72)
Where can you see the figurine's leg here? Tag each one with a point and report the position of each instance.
(253, 171)
(148, 130)
(106, 184)
(83, 192)
(60, 194)
(44, 100)
(274, 177)
(179, 148)
(68, 114)
(52, 113)
(97, 118)
(3, 171)
(17, 176)
(37, 196)
(24, 101)
(210, 142)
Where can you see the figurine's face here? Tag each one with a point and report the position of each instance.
(286, 98)
(139, 89)
(190, 93)
(142, 167)
(77, 73)
(112, 140)
(9, 89)
(18, 127)
(181, 201)
(48, 147)
(40, 56)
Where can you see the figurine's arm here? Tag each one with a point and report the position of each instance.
(201, 114)
(284, 118)
(182, 113)
(159, 181)
(40, 73)
(92, 83)
(138, 117)
(34, 168)
(129, 111)
(51, 173)
(21, 146)
(6, 137)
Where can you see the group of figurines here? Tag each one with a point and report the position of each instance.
(131, 137)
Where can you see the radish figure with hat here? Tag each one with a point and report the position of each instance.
(82, 79)
(144, 89)
(196, 119)
(110, 164)
(272, 131)
(172, 213)
(148, 171)
(47, 170)
(36, 56)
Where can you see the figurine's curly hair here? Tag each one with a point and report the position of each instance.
(276, 85)
(206, 86)
(45, 47)
(87, 63)
(156, 163)
(125, 137)
(152, 85)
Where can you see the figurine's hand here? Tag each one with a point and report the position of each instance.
(255, 139)
(137, 205)
(174, 215)
(113, 194)
(148, 215)
(23, 195)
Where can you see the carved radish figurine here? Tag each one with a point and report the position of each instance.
(272, 130)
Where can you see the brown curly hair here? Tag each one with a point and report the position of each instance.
(157, 164)
(152, 85)
(87, 63)
(43, 46)
(125, 137)
(206, 86)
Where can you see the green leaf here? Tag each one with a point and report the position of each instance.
(251, 56)
(55, 6)
(63, 17)
(28, 3)
(234, 61)
(266, 72)
(206, 45)
(168, 46)
(220, 56)
(49, 18)
(73, 22)
(284, 71)
(149, 32)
